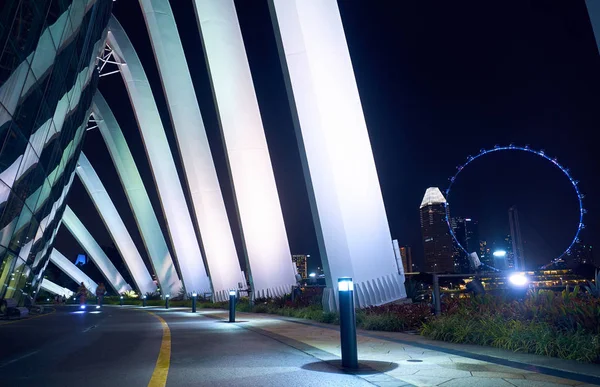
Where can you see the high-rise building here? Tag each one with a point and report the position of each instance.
(301, 262)
(485, 254)
(517, 238)
(48, 77)
(407, 261)
(466, 231)
(581, 254)
(437, 241)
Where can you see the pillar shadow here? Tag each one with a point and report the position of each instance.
(365, 367)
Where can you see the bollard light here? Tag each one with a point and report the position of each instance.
(232, 306)
(143, 301)
(194, 297)
(347, 323)
(121, 301)
(167, 301)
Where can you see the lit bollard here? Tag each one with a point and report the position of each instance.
(121, 301)
(347, 323)
(232, 306)
(167, 301)
(194, 296)
(143, 301)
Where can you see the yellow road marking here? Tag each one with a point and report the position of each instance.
(161, 370)
(26, 319)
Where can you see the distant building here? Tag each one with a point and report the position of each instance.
(407, 261)
(301, 262)
(485, 254)
(466, 231)
(581, 254)
(437, 241)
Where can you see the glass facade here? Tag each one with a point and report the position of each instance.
(48, 76)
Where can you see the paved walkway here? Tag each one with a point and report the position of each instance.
(133, 346)
(403, 360)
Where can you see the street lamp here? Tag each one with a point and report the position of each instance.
(144, 301)
(232, 306)
(167, 301)
(347, 323)
(121, 300)
(194, 296)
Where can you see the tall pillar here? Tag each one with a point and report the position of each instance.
(166, 178)
(265, 240)
(72, 271)
(115, 226)
(209, 207)
(346, 201)
(138, 199)
(53, 288)
(95, 252)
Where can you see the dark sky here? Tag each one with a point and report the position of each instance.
(438, 81)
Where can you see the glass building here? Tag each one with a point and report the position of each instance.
(48, 76)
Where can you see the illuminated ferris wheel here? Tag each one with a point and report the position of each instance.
(527, 149)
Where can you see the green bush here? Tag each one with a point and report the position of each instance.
(519, 336)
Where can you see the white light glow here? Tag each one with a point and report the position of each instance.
(312, 275)
(499, 253)
(194, 294)
(232, 292)
(518, 279)
(345, 284)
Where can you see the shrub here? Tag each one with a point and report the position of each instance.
(519, 336)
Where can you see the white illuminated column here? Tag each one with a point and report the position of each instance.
(95, 252)
(347, 205)
(115, 226)
(166, 178)
(72, 271)
(209, 207)
(53, 288)
(138, 199)
(270, 264)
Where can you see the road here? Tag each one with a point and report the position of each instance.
(134, 347)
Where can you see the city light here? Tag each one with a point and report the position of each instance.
(345, 284)
(97, 306)
(312, 275)
(82, 306)
(232, 292)
(518, 279)
(499, 253)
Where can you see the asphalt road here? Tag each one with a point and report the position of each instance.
(120, 347)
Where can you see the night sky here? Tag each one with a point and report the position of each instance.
(438, 82)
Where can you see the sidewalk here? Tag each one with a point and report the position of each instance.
(398, 359)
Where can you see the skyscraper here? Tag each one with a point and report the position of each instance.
(300, 261)
(407, 261)
(437, 241)
(466, 231)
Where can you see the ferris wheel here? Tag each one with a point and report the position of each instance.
(527, 149)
